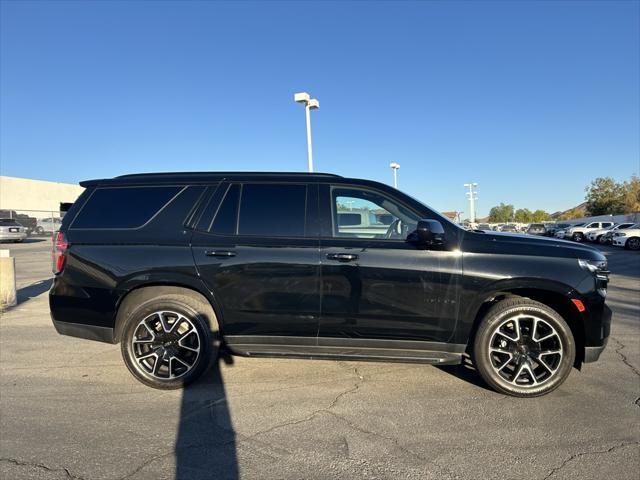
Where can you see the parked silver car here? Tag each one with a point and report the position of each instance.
(11, 231)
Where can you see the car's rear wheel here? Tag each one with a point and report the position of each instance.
(577, 237)
(523, 348)
(167, 341)
(633, 243)
(39, 231)
(602, 239)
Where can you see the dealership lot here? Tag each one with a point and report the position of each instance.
(70, 409)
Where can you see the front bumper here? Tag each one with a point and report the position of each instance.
(619, 241)
(592, 354)
(597, 327)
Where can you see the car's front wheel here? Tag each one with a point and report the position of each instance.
(578, 237)
(167, 341)
(523, 348)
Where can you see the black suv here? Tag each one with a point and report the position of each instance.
(176, 266)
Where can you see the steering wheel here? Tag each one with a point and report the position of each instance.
(393, 229)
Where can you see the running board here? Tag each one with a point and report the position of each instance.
(350, 352)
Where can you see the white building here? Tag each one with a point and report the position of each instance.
(36, 198)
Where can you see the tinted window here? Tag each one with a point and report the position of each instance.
(9, 222)
(272, 210)
(346, 219)
(227, 216)
(128, 207)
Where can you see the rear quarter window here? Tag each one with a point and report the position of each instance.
(123, 207)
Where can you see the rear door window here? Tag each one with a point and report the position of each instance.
(123, 207)
(272, 210)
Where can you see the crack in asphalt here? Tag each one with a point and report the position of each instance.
(315, 413)
(42, 466)
(584, 454)
(146, 463)
(623, 357)
(327, 411)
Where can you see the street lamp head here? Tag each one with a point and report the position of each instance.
(394, 165)
(313, 104)
(302, 97)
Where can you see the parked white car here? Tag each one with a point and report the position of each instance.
(578, 233)
(11, 231)
(562, 232)
(628, 238)
(48, 225)
(599, 235)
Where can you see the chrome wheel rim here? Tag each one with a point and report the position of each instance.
(634, 243)
(526, 351)
(165, 345)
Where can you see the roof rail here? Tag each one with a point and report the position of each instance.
(230, 174)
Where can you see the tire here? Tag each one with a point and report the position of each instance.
(633, 243)
(602, 240)
(39, 231)
(517, 368)
(179, 334)
(578, 237)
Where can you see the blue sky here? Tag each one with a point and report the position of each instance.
(531, 100)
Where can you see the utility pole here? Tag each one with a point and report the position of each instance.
(472, 195)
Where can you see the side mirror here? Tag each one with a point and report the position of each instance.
(429, 232)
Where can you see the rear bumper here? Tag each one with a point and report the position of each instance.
(9, 237)
(89, 332)
(83, 312)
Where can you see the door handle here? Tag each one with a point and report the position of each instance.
(220, 253)
(342, 257)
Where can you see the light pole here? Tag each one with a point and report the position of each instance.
(472, 195)
(395, 167)
(309, 104)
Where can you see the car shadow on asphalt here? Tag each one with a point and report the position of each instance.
(466, 372)
(206, 443)
(30, 291)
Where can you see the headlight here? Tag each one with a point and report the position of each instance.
(620, 234)
(601, 274)
(592, 265)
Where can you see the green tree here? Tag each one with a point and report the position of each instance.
(501, 213)
(631, 192)
(540, 216)
(523, 215)
(605, 196)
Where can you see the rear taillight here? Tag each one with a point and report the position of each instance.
(60, 247)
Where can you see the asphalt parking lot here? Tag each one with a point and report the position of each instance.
(69, 409)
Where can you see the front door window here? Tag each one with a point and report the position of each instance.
(359, 213)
